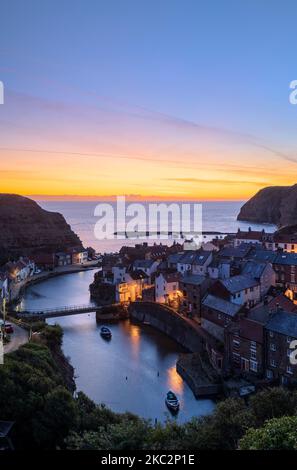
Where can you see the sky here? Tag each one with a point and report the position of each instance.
(174, 99)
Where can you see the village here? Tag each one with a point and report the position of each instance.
(240, 292)
(16, 274)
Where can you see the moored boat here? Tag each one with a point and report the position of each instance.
(105, 332)
(172, 402)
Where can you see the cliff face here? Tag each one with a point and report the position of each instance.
(26, 228)
(275, 204)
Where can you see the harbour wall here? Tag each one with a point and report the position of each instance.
(169, 322)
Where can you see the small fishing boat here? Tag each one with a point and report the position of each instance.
(105, 332)
(172, 402)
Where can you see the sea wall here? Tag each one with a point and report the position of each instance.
(169, 322)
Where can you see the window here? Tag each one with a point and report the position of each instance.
(236, 343)
(253, 366)
(289, 370)
(272, 347)
(253, 345)
(273, 363)
(219, 316)
(269, 374)
(253, 355)
(271, 334)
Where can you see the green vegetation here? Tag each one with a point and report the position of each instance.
(277, 433)
(37, 394)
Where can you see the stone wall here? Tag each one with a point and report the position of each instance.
(169, 322)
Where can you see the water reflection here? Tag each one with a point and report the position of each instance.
(175, 382)
(132, 372)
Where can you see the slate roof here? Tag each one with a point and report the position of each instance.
(143, 263)
(238, 283)
(195, 257)
(254, 269)
(194, 279)
(284, 323)
(289, 259)
(232, 252)
(202, 257)
(263, 255)
(174, 258)
(221, 305)
(188, 257)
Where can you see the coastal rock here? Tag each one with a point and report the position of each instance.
(26, 228)
(275, 205)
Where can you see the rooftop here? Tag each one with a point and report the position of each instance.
(284, 323)
(221, 305)
(289, 259)
(240, 252)
(194, 279)
(238, 283)
(254, 268)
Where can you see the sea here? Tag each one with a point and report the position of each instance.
(217, 216)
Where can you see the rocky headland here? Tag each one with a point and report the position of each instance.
(274, 205)
(26, 228)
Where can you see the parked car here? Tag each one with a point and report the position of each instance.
(8, 327)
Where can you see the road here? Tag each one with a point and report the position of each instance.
(18, 338)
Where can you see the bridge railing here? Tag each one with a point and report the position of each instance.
(67, 308)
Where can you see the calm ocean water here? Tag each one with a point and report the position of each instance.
(216, 216)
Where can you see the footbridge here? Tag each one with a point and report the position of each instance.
(42, 314)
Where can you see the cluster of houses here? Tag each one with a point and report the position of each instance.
(241, 293)
(15, 272)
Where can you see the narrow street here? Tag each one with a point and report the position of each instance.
(18, 338)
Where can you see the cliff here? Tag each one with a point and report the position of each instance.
(26, 228)
(275, 205)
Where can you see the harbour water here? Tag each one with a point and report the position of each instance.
(136, 368)
(133, 371)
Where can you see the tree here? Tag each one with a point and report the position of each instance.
(273, 403)
(276, 434)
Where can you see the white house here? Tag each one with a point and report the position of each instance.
(201, 262)
(194, 262)
(251, 236)
(131, 287)
(262, 272)
(167, 287)
(148, 266)
(241, 290)
(118, 271)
